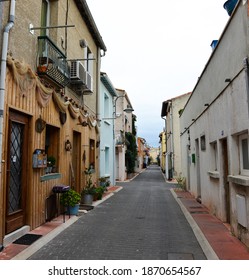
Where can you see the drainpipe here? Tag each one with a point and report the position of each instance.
(6, 31)
(246, 67)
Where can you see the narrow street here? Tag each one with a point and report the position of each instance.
(142, 221)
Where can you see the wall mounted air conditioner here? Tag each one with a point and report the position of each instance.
(78, 72)
(89, 82)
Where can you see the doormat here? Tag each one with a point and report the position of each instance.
(27, 239)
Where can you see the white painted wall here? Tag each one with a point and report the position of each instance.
(107, 145)
(224, 119)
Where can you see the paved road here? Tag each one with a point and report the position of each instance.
(142, 221)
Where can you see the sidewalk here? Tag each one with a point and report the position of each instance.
(48, 231)
(214, 237)
(209, 230)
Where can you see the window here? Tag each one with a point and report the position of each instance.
(244, 154)
(45, 16)
(106, 107)
(88, 56)
(203, 143)
(52, 143)
(214, 156)
(107, 160)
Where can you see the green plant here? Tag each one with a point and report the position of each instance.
(51, 161)
(70, 198)
(102, 179)
(104, 182)
(99, 192)
(89, 187)
(131, 152)
(181, 181)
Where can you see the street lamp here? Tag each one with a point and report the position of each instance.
(128, 109)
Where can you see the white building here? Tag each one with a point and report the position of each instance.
(107, 138)
(170, 113)
(123, 124)
(214, 128)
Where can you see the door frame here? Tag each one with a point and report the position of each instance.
(18, 218)
(225, 172)
(76, 160)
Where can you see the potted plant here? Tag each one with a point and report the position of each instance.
(50, 164)
(71, 200)
(89, 188)
(99, 191)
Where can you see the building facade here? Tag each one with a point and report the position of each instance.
(123, 124)
(214, 128)
(107, 138)
(171, 110)
(163, 149)
(49, 107)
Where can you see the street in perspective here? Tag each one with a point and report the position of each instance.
(124, 136)
(142, 221)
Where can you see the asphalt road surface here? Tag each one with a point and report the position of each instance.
(141, 222)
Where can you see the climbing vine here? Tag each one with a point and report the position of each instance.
(131, 152)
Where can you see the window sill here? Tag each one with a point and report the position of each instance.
(50, 176)
(214, 174)
(239, 180)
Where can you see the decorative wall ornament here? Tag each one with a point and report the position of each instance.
(40, 124)
(63, 117)
(26, 80)
(74, 112)
(68, 146)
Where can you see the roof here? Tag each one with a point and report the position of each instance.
(107, 83)
(122, 91)
(165, 104)
(91, 25)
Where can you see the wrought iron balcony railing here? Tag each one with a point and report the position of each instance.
(51, 62)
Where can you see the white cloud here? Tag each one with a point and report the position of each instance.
(156, 50)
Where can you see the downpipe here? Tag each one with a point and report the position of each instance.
(246, 67)
(6, 31)
(5, 44)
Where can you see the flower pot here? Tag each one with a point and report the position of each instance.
(73, 210)
(87, 199)
(102, 184)
(42, 69)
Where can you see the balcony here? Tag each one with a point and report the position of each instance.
(51, 63)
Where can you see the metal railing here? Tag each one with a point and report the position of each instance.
(51, 62)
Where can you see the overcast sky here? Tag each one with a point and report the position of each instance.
(156, 50)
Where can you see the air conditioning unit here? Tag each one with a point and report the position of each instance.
(89, 82)
(78, 72)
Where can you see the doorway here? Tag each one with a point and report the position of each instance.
(16, 175)
(76, 174)
(198, 168)
(225, 181)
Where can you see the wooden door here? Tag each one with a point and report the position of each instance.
(225, 175)
(16, 172)
(76, 161)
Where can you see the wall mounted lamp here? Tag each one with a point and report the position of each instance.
(128, 110)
